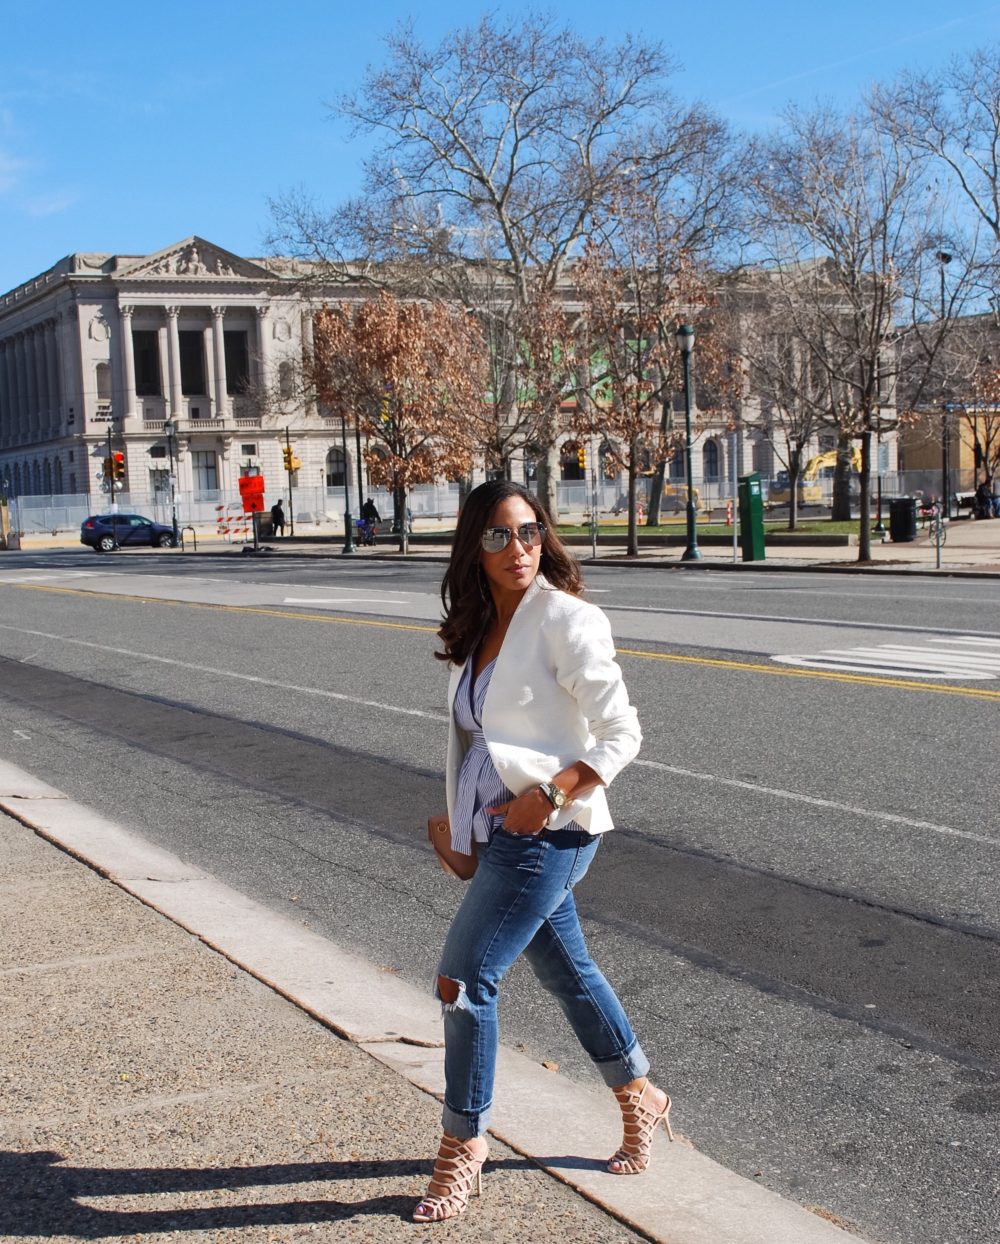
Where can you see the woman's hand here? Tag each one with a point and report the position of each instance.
(527, 814)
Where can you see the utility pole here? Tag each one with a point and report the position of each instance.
(288, 468)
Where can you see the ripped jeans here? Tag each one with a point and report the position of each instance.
(520, 901)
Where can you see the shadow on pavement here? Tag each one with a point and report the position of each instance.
(39, 1197)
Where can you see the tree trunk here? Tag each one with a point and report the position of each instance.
(865, 526)
(841, 480)
(545, 473)
(399, 517)
(632, 548)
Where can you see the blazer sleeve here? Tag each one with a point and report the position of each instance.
(585, 667)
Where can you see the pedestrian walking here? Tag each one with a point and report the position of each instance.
(277, 518)
(540, 723)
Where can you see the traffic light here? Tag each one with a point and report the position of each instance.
(106, 468)
(118, 465)
(288, 457)
(581, 457)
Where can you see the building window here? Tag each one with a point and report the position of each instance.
(335, 473)
(102, 372)
(570, 460)
(248, 451)
(677, 465)
(710, 460)
(146, 350)
(58, 477)
(237, 361)
(192, 346)
(286, 379)
(204, 468)
(158, 451)
(159, 482)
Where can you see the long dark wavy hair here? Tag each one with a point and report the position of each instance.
(465, 592)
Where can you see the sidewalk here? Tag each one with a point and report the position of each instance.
(153, 1086)
(970, 547)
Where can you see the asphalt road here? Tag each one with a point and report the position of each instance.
(800, 903)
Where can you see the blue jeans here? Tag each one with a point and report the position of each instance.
(520, 901)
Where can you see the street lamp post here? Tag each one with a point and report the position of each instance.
(685, 342)
(944, 258)
(169, 428)
(348, 524)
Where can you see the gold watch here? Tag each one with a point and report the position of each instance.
(554, 794)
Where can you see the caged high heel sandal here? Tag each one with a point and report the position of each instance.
(640, 1118)
(456, 1172)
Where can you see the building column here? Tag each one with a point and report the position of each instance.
(6, 414)
(263, 346)
(128, 361)
(52, 360)
(21, 388)
(174, 362)
(307, 351)
(41, 379)
(31, 375)
(219, 341)
(208, 354)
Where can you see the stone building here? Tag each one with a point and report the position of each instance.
(158, 356)
(164, 358)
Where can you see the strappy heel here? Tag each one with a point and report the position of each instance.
(456, 1172)
(640, 1120)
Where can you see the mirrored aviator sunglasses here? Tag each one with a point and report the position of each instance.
(496, 539)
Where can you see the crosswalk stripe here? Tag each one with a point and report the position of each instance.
(900, 660)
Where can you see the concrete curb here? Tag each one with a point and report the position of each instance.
(541, 1114)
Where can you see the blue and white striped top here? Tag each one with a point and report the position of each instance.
(479, 785)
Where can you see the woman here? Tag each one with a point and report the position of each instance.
(540, 724)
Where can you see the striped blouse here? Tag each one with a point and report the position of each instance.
(479, 785)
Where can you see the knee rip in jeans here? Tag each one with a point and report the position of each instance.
(451, 993)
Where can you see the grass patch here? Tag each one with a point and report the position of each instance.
(809, 526)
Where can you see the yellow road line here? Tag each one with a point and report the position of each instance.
(751, 667)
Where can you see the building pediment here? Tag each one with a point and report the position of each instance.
(193, 259)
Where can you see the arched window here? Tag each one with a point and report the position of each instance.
(47, 478)
(57, 477)
(36, 479)
(677, 465)
(610, 462)
(570, 460)
(17, 479)
(335, 469)
(710, 460)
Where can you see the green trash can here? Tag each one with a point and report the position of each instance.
(751, 518)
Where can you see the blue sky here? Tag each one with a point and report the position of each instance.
(126, 127)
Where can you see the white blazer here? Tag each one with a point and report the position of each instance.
(556, 696)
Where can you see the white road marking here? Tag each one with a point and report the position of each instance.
(251, 678)
(875, 814)
(891, 818)
(21, 735)
(979, 661)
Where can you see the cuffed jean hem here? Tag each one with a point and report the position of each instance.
(632, 1065)
(464, 1126)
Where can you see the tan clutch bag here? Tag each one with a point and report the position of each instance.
(455, 863)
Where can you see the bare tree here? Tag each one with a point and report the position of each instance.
(953, 117)
(406, 373)
(850, 232)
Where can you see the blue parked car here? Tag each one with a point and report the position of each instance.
(103, 531)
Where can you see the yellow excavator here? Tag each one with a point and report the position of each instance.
(810, 490)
